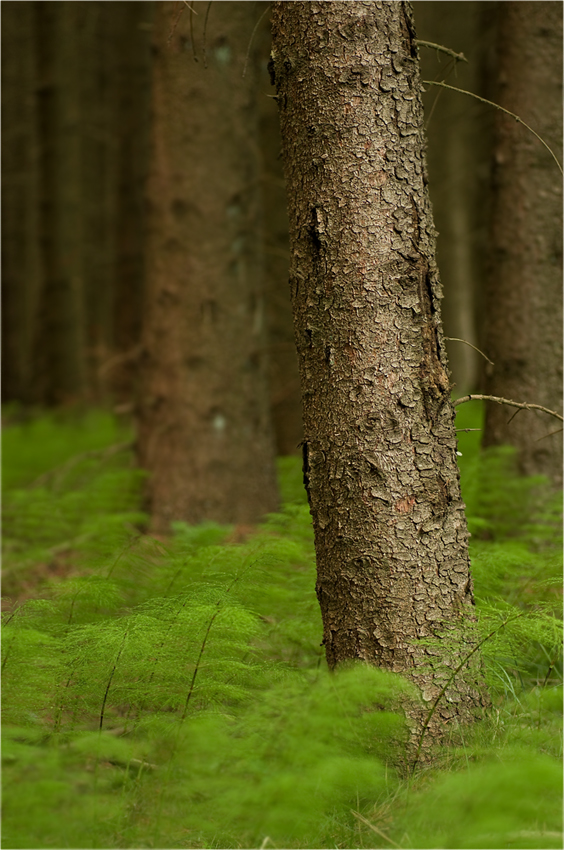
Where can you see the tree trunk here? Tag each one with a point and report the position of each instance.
(380, 449)
(204, 423)
(20, 257)
(133, 21)
(524, 299)
(59, 350)
(98, 182)
(459, 150)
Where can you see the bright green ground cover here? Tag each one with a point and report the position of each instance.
(176, 695)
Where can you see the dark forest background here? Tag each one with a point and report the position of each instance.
(76, 149)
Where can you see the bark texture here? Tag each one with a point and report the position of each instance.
(379, 449)
(524, 298)
(204, 422)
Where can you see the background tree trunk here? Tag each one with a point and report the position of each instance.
(459, 133)
(59, 345)
(524, 298)
(204, 423)
(20, 256)
(98, 183)
(132, 40)
(380, 449)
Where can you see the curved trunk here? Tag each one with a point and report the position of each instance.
(380, 449)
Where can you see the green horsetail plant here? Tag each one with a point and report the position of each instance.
(175, 694)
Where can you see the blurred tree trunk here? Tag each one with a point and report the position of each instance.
(59, 347)
(204, 422)
(380, 447)
(459, 132)
(131, 29)
(98, 121)
(524, 298)
(20, 257)
(284, 378)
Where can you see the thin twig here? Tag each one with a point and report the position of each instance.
(513, 415)
(112, 674)
(192, 32)
(59, 471)
(436, 100)
(175, 24)
(465, 341)
(205, 34)
(460, 57)
(375, 829)
(251, 39)
(203, 646)
(466, 430)
(550, 434)
(502, 109)
(452, 676)
(521, 406)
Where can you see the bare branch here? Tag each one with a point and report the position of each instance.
(460, 57)
(507, 401)
(465, 341)
(251, 39)
(502, 109)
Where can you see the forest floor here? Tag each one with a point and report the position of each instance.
(174, 694)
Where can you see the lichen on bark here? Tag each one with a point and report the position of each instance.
(379, 440)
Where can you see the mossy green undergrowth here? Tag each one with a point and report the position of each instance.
(176, 695)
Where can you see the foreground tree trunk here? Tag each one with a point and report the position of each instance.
(380, 450)
(204, 423)
(524, 298)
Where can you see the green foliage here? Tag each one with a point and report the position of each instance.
(513, 804)
(87, 503)
(176, 695)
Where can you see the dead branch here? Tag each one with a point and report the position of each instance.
(507, 401)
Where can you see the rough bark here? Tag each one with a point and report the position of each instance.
(379, 447)
(204, 423)
(524, 298)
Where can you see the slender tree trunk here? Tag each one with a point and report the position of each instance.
(380, 450)
(20, 257)
(204, 422)
(524, 299)
(59, 361)
(98, 181)
(132, 27)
